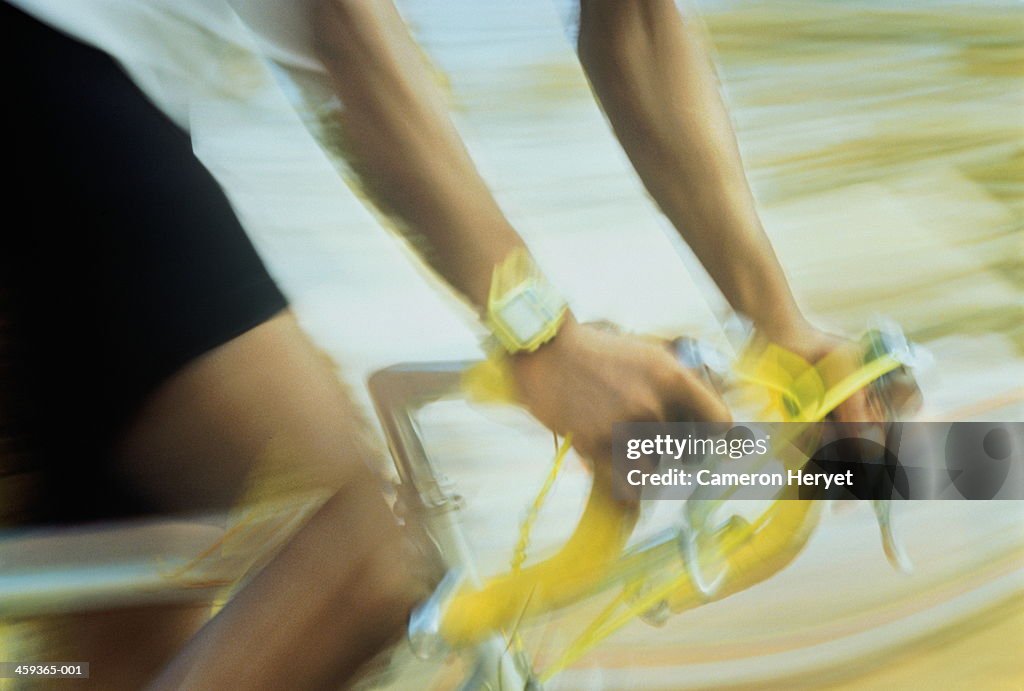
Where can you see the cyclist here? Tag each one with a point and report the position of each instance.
(144, 328)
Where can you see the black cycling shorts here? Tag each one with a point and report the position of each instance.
(120, 261)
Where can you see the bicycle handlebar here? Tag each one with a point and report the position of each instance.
(461, 615)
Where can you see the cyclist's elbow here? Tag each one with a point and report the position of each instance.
(613, 33)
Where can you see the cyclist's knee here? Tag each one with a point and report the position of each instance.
(391, 570)
(391, 582)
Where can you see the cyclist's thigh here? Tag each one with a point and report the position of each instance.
(264, 411)
(264, 408)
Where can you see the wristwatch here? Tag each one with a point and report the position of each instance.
(524, 311)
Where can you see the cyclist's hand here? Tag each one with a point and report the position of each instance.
(813, 344)
(586, 379)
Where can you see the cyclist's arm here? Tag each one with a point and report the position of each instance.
(410, 161)
(654, 79)
(401, 143)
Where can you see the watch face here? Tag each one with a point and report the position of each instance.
(524, 315)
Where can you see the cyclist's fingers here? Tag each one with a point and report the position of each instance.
(690, 398)
(587, 452)
(857, 408)
(863, 430)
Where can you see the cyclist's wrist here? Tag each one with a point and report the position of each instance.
(785, 328)
(758, 290)
(561, 345)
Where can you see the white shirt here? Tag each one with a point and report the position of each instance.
(174, 49)
(173, 35)
(194, 58)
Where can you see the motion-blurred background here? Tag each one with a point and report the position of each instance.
(884, 143)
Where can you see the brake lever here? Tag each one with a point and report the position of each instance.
(891, 544)
(898, 394)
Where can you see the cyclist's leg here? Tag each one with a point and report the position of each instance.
(125, 646)
(333, 596)
(143, 343)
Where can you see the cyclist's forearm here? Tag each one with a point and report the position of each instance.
(656, 83)
(403, 147)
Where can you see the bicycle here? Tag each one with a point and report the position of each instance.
(659, 576)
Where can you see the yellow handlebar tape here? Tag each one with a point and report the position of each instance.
(747, 553)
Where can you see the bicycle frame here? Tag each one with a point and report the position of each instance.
(398, 393)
